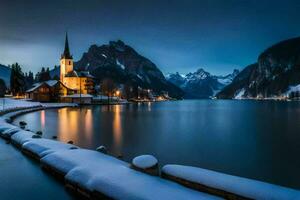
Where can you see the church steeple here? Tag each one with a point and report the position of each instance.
(66, 54)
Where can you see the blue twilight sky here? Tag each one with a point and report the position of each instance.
(177, 35)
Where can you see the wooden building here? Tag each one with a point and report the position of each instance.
(48, 91)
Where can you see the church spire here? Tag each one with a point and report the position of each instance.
(66, 54)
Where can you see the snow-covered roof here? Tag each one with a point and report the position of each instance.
(51, 82)
(79, 74)
(35, 86)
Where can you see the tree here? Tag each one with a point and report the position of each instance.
(29, 79)
(2, 88)
(43, 75)
(17, 80)
(108, 87)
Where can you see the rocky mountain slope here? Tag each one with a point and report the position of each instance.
(123, 64)
(276, 71)
(200, 84)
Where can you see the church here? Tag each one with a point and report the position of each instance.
(72, 86)
(80, 81)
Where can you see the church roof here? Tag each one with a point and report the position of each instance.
(66, 54)
(79, 74)
(49, 83)
(72, 73)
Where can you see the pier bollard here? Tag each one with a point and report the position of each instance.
(39, 133)
(22, 123)
(146, 163)
(36, 136)
(102, 149)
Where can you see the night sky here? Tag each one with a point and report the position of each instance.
(179, 35)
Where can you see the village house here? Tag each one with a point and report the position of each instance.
(72, 86)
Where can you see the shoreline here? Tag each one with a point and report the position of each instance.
(207, 188)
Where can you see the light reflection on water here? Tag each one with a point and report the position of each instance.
(258, 140)
(117, 129)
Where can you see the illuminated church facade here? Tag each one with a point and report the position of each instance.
(79, 81)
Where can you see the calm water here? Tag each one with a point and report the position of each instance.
(255, 139)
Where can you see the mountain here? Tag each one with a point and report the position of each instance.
(123, 64)
(276, 71)
(200, 84)
(5, 74)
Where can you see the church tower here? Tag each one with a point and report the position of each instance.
(66, 60)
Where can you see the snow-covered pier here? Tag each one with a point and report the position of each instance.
(95, 175)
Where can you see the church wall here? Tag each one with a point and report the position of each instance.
(77, 83)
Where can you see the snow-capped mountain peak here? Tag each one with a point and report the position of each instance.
(200, 84)
(200, 74)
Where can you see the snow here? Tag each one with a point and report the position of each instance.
(121, 182)
(120, 64)
(140, 77)
(64, 161)
(51, 83)
(200, 74)
(32, 107)
(240, 94)
(144, 161)
(9, 115)
(103, 97)
(241, 186)
(58, 105)
(43, 147)
(95, 171)
(9, 132)
(291, 89)
(7, 104)
(225, 81)
(35, 86)
(5, 126)
(78, 96)
(21, 137)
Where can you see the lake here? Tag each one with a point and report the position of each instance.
(254, 139)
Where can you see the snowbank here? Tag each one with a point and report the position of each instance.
(32, 107)
(9, 132)
(233, 184)
(8, 104)
(21, 137)
(64, 161)
(121, 182)
(100, 173)
(41, 147)
(10, 115)
(5, 126)
(144, 161)
(58, 105)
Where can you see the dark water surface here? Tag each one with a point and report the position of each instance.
(22, 178)
(255, 139)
